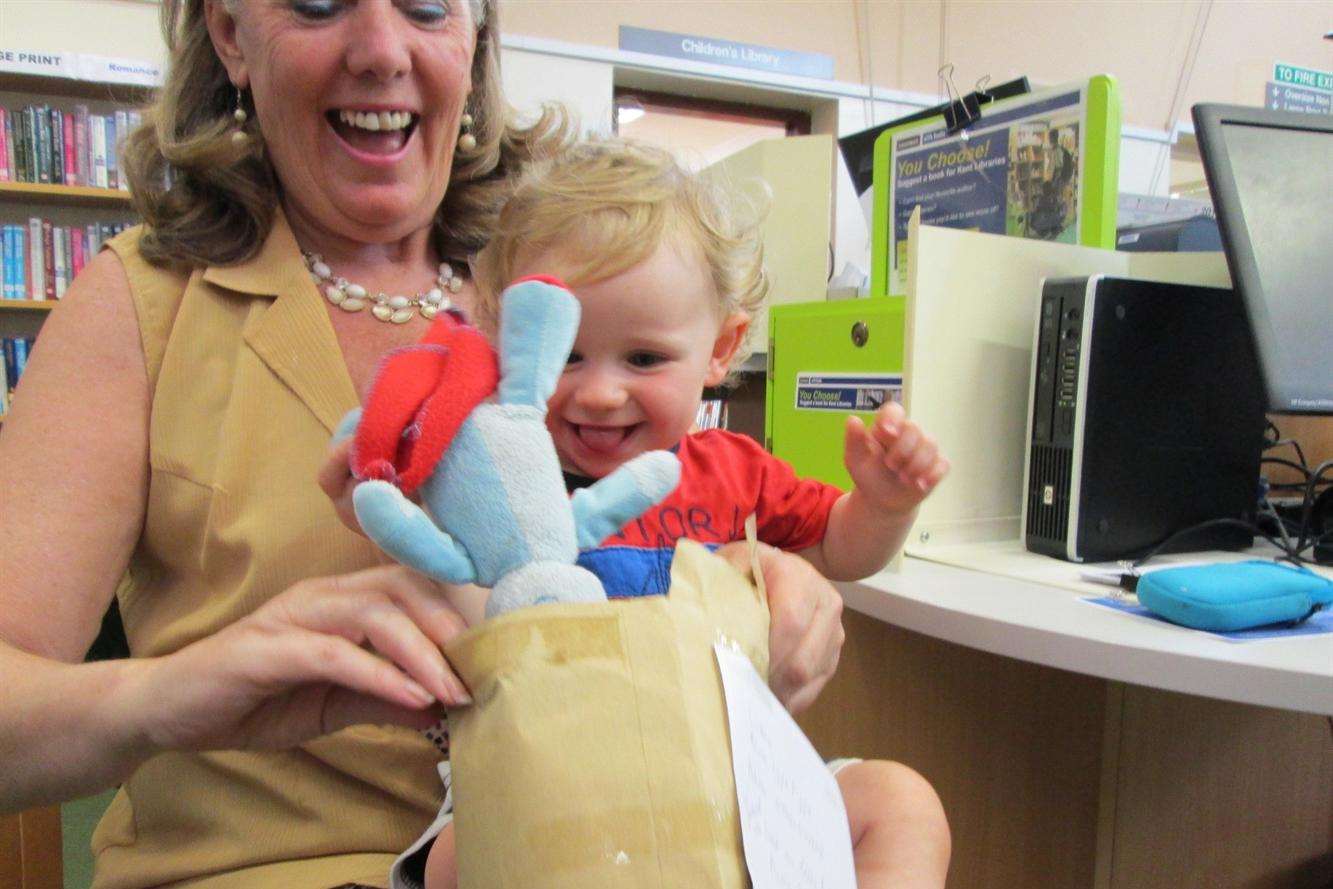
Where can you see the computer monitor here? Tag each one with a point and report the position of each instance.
(1271, 178)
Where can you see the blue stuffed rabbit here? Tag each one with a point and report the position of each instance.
(494, 511)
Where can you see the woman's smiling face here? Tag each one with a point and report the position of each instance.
(358, 103)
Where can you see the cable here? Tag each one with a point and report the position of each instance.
(1307, 507)
(1299, 467)
(1295, 444)
(1182, 83)
(1281, 526)
(1277, 441)
(944, 37)
(1161, 548)
(868, 53)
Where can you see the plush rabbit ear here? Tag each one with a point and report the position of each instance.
(539, 319)
(420, 397)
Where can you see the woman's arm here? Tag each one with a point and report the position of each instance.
(324, 654)
(73, 477)
(805, 633)
(73, 468)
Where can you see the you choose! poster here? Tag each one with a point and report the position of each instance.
(1017, 172)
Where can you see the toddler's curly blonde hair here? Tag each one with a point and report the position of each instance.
(604, 205)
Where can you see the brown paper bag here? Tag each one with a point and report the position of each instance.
(596, 752)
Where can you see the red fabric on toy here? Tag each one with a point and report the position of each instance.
(545, 279)
(420, 397)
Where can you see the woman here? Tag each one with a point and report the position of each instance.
(164, 446)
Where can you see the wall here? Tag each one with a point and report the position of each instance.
(902, 44)
(897, 45)
(584, 87)
(122, 28)
(566, 50)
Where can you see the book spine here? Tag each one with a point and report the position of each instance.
(11, 152)
(21, 347)
(30, 143)
(71, 164)
(20, 130)
(21, 145)
(19, 262)
(48, 261)
(82, 158)
(112, 164)
(42, 121)
(56, 120)
(11, 365)
(60, 259)
(4, 387)
(21, 259)
(97, 133)
(6, 262)
(122, 131)
(76, 259)
(4, 145)
(36, 287)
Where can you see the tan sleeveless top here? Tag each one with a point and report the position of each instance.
(248, 382)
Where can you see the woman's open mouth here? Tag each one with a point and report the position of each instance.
(373, 132)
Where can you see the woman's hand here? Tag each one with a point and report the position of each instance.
(805, 632)
(337, 482)
(325, 654)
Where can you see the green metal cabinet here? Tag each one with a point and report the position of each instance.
(826, 360)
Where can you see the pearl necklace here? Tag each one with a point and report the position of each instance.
(395, 309)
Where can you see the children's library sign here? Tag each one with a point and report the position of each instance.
(726, 52)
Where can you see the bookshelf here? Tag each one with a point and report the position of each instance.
(23, 317)
(53, 227)
(43, 194)
(64, 87)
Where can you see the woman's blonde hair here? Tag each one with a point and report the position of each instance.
(205, 200)
(604, 205)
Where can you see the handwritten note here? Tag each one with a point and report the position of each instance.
(793, 823)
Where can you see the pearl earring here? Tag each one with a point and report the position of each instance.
(466, 141)
(239, 136)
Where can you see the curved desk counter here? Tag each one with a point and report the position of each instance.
(1030, 607)
(1074, 745)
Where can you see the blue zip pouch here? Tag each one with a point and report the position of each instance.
(1235, 596)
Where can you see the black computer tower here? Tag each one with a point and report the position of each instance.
(1146, 417)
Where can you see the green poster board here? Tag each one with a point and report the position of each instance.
(1043, 165)
(827, 360)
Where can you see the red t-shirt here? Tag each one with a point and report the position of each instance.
(724, 478)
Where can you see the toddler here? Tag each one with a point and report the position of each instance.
(668, 277)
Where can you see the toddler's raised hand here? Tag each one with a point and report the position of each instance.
(893, 463)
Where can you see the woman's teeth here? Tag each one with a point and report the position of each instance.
(377, 121)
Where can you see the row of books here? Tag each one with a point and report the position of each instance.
(712, 414)
(16, 358)
(39, 143)
(41, 258)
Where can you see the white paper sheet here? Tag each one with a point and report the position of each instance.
(793, 822)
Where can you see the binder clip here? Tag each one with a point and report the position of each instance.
(962, 111)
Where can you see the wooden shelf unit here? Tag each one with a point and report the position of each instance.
(73, 204)
(64, 195)
(74, 88)
(23, 317)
